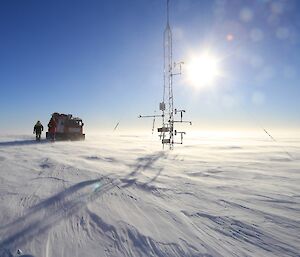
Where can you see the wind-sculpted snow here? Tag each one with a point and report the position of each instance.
(124, 196)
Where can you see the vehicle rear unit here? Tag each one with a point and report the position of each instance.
(67, 127)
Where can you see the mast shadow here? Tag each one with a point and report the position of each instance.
(50, 211)
(47, 213)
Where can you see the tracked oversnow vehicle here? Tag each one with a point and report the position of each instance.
(67, 127)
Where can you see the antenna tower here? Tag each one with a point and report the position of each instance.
(167, 132)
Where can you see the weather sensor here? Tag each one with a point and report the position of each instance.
(167, 132)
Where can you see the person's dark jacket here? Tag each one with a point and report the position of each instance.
(38, 128)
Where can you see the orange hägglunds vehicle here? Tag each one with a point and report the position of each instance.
(66, 126)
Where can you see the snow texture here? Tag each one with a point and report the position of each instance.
(117, 195)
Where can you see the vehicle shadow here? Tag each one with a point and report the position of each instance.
(22, 142)
(48, 212)
(45, 214)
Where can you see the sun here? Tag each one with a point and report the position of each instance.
(202, 70)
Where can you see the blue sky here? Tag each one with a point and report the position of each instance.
(103, 61)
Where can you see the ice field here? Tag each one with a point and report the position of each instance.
(122, 195)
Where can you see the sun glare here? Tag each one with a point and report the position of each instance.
(202, 70)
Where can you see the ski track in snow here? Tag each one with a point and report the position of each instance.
(124, 196)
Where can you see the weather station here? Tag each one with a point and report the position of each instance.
(167, 131)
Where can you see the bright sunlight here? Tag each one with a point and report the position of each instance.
(202, 70)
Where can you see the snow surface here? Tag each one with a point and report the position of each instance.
(117, 195)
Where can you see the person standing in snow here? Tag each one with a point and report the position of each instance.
(37, 130)
(52, 128)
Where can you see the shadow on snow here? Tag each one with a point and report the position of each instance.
(22, 142)
(69, 201)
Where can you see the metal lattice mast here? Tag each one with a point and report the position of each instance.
(167, 131)
(168, 85)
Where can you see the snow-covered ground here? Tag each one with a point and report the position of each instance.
(115, 195)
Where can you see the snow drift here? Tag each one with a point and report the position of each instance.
(116, 196)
